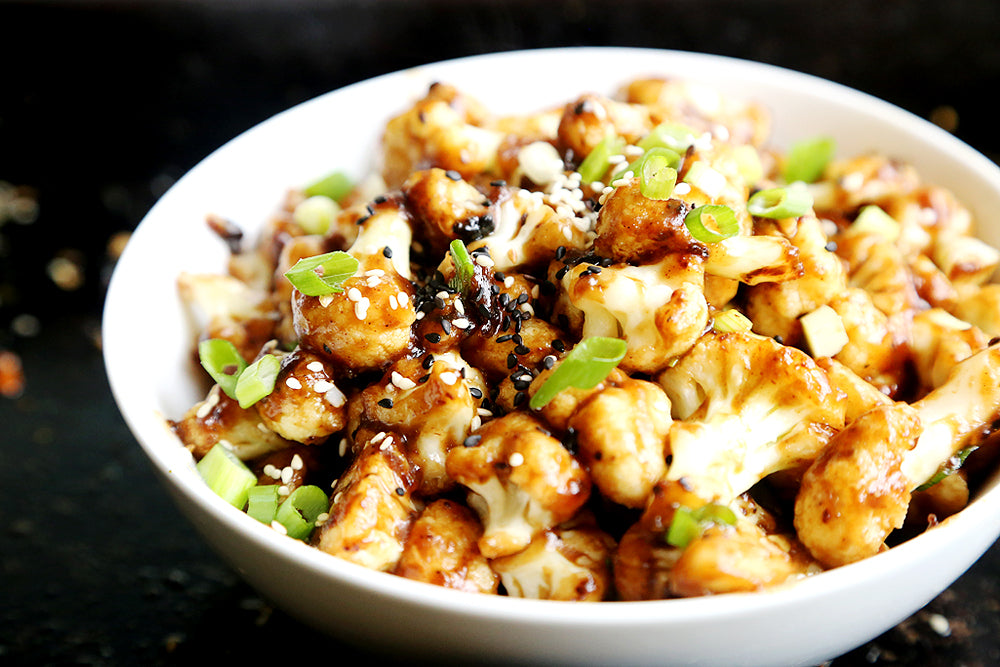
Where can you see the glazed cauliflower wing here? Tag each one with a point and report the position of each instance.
(521, 481)
(745, 406)
(306, 405)
(220, 419)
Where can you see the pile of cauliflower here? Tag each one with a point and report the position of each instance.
(790, 398)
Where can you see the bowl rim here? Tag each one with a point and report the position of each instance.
(608, 613)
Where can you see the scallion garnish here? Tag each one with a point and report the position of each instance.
(950, 467)
(226, 475)
(674, 162)
(789, 202)
(262, 502)
(807, 159)
(674, 136)
(597, 161)
(688, 524)
(223, 362)
(257, 380)
(315, 214)
(657, 173)
(723, 218)
(300, 510)
(336, 186)
(464, 269)
(731, 321)
(336, 267)
(584, 367)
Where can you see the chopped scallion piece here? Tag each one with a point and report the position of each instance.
(300, 510)
(731, 321)
(596, 164)
(464, 269)
(584, 367)
(683, 529)
(262, 502)
(657, 176)
(257, 381)
(226, 475)
(674, 163)
(336, 267)
(315, 214)
(950, 467)
(789, 202)
(723, 218)
(715, 513)
(223, 362)
(674, 136)
(807, 159)
(336, 186)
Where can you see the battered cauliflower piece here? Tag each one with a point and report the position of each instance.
(590, 118)
(744, 407)
(445, 208)
(306, 405)
(659, 309)
(980, 306)
(621, 437)
(570, 564)
(857, 491)
(219, 418)
(445, 129)
(430, 403)
(866, 179)
(372, 508)
(521, 482)
(367, 325)
(225, 307)
(442, 550)
(876, 264)
(939, 341)
(860, 395)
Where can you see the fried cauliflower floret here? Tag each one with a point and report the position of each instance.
(530, 346)
(701, 107)
(857, 491)
(866, 179)
(876, 264)
(744, 407)
(775, 307)
(621, 434)
(431, 406)
(444, 207)
(372, 508)
(445, 129)
(980, 306)
(528, 229)
(560, 564)
(860, 396)
(939, 341)
(367, 325)
(220, 418)
(965, 260)
(225, 307)
(521, 481)
(306, 405)
(659, 309)
(590, 118)
(442, 549)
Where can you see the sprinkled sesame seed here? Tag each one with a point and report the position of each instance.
(325, 300)
(278, 528)
(682, 189)
(342, 448)
(449, 378)
(297, 463)
(293, 383)
(476, 392)
(403, 298)
(354, 294)
(283, 490)
(483, 412)
(461, 323)
(321, 518)
(322, 386)
(286, 474)
(393, 304)
(508, 282)
(472, 440)
(315, 366)
(516, 459)
(335, 397)
(402, 382)
(387, 252)
(272, 471)
(385, 403)
(485, 261)
(433, 337)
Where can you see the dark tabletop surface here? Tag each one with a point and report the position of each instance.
(104, 105)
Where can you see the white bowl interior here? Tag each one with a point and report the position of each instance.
(148, 341)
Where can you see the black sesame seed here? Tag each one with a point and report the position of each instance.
(499, 276)
(400, 491)
(453, 175)
(522, 349)
(511, 360)
(428, 362)
(476, 392)
(472, 440)
(558, 345)
(503, 299)
(522, 298)
(386, 402)
(779, 339)
(831, 246)
(994, 341)
(504, 338)
(380, 199)
(561, 272)
(483, 310)
(446, 327)
(548, 362)
(505, 323)
(519, 398)
(498, 183)
(424, 379)
(433, 337)
(521, 385)
(560, 252)
(387, 252)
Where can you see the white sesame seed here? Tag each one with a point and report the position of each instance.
(283, 490)
(477, 421)
(485, 260)
(420, 315)
(483, 412)
(379, 437)
(939, 624)
(460, 323)
(207, 406)
(322, 386)
(403, 298)
(516, 459)
(459, 307)
(315, 366)
(321, 518)
(297, 462)
(279, 528)
(449, 378)
(393, 304)
(271, 471)
(402, 382)
(286, 474)
(325, 300)
(354, 294)
(386, 443)
(361, 308)
(442, 295)
(375, 273)
(335, 397)
(508, 282)
(292, 383)
(682, 189)
(342, 448)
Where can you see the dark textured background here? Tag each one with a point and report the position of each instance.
(104, 105)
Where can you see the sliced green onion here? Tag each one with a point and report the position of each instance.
(262, 502)
(300, 510)
(226, 475)
(657, 177)
(950, 467)
(464, 268)
(635, 166)
(223, 362)
(723, 217)
(674, 136)
(731, 321)
(336, 186)
(684, 528)
(687, 524)
(315, 214)
(584, 367)
(257, 381)
(790, 202)
(336, 267)
(596, 164)
(807, 159)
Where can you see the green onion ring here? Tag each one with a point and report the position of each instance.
(725, 220)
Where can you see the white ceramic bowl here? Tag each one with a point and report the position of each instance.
(245, 180)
